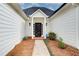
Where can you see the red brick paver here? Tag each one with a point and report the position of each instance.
(24, 48)
(55, 50)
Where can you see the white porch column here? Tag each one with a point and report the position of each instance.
(45, 27)
(32, 27)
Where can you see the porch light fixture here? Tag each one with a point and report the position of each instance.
(29, 24)
(46, 24)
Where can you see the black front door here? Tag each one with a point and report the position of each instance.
(38, 29)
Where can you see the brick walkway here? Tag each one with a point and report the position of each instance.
(40, 49)
(24, 48)
(32, 47)
(56, 51)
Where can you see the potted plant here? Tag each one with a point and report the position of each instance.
(52, 36)
(61, 44)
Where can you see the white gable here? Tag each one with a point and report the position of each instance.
(38, 13)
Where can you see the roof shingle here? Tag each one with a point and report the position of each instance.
(31, 10)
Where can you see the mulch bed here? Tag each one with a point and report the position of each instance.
(24, 48)
(56, 51)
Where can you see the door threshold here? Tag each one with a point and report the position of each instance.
(38, 38)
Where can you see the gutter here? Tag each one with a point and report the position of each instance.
(58, 9)
(18, 9)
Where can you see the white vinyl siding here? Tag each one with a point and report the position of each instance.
(11, 28)
(64, 25)
(28, 28)
(77, 25)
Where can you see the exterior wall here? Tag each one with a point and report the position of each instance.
(28, 27)
(37, 16)
(11, 28)
(64, 25)
(38, 13)
(48, 25)
(77, 25)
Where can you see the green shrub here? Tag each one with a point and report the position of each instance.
(24, 38)
(52, 36)
(61, 43)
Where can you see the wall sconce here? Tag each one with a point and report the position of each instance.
(29, 24)
(46, 24)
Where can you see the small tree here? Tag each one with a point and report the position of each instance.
(52, 36)
(61, 43)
